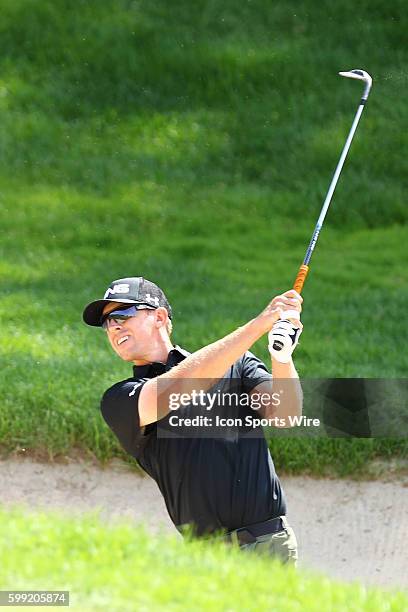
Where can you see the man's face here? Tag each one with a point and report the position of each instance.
(132, 339)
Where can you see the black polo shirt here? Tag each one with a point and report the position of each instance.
(211, 483)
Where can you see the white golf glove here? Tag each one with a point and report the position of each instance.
(283, 339)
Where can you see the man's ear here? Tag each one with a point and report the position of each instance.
(161, 316)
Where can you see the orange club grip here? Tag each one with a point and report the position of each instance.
(301, 277)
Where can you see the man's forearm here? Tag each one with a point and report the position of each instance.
(286, 382)
(213, 360)
(283, 370)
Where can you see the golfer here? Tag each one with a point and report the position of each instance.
(214, 481)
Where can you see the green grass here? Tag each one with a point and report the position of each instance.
(123, 568)
(193, 144)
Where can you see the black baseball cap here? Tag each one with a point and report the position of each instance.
(133, 290)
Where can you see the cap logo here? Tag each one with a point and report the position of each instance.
(123, 288)
(155, 300)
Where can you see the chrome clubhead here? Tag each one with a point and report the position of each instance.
(360, 75)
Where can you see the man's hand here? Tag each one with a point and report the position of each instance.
(288, 305)
(283, 339)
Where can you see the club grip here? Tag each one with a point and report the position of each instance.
(301, 277)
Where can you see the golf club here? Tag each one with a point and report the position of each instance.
(281, 343)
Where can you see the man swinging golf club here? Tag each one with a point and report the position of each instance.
(213, 484)
(224, 483)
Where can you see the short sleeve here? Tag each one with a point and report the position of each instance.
(119, 407)
(254, 372)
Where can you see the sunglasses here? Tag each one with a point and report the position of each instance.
(121, 315)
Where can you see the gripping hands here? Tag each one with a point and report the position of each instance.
(283, 339)
(283, 314)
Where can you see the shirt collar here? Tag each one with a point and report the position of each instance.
(151, 370)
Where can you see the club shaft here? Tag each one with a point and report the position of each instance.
(304, 268)
(332, 187)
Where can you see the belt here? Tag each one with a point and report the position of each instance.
(248, 534)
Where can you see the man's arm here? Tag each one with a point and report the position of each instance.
(212, 361)
(287, 386)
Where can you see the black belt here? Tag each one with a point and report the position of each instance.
(248, 534)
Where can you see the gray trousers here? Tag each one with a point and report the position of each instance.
(281, 545)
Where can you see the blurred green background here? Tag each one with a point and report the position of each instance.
(193, 144)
